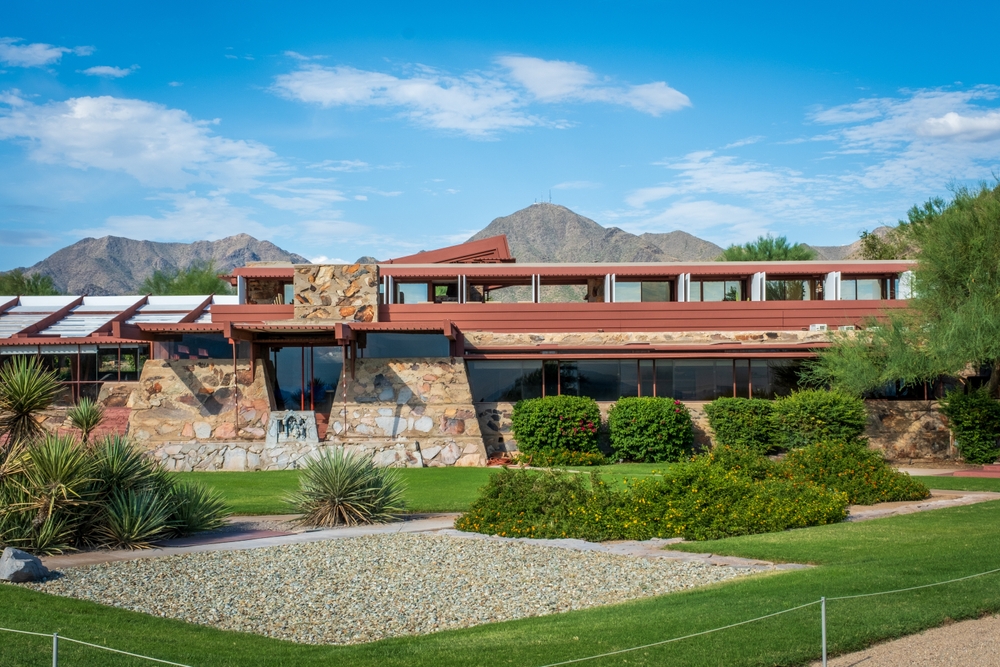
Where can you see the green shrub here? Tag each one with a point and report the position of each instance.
(548, 458)
(195, 508)
(974, 420)
(650, 430)
(134, 518)
(86, 416)
(851, 468)
(556, 423)
(339, 489)
(742, 422)
(814, 415)
(699, 499)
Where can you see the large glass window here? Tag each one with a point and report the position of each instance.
(861, 289)
(192, 346)
(793, 290)
(405, 345)
(306, 378)
(770, 378)
(412, 293)
(645, 291)
(508, 381)
(716, 290)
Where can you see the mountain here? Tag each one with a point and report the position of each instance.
(115, 265)
(552, 233)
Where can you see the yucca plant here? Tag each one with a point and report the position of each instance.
(26, 389)
(119, 464)
(195, 508)
(133, 519)
(86, 416)
(57, 477)
(338, 489)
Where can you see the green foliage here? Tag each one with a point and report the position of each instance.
(650, 430)
(768, 249)
(555, 423)
(57, 495)
(974, 420)
(854, 469)
(16, 283)
(25, 390)
(813, 415)
(742, 422)
(548, 458)
(338, 489)
(954, 318)
(700, 499)
(893, 243)
(200, 277)
(86, 416)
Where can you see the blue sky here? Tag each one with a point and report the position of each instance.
(342, 129)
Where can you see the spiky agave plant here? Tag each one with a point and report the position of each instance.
(338, 489)
(86, 416)
(26, 389)
(195, 508)
(134, 518)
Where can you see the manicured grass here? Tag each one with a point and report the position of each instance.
(427, 489)
(961, 483)
(851, 558)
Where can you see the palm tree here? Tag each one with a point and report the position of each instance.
(25, 390)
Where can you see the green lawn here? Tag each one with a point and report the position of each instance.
(851, 558)
(961, 483)
(427, 489)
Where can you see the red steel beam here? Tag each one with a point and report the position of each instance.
(48, 320)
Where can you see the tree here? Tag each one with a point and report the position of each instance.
(768, 249)
(201, 277)
(16, 283)
(953, 322)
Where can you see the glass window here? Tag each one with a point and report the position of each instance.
(694, 290)
(716, 290)
(404, 345)
(505, 380)
(445, 292)
(861, 289)
(694, 379)
(411, 292)
(204, 347)
(645, 377)
(550, 370)
(601, 379)
(288, 293)
(770, 378)
(655, 291)
(569, 378)
(628, 292)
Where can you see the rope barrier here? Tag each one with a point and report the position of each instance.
(97, 646)
(913, 588)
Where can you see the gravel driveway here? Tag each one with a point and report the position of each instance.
(362, 589)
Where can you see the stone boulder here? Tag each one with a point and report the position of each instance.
(17, 566)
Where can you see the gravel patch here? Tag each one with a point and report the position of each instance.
(357, 590)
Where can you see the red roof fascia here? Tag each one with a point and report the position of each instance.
(57, 340)
(4, 307)
(179, 327)
(276, 272)
(491, 250)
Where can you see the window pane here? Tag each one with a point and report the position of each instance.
(569, 378)
(598, 379)
(734, 290)
(628, 292)
(629, 378)
(695, 290)
(328, 364)
(403, 345)
(495, 380)
(848, 290)
(551, 372)
(774, 377)
(742, 367)
(714, 290)
(664, 371)
(869, 289)
(411, 292)
(655, 292)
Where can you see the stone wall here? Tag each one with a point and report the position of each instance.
(195, 400)
(414, 412)
(910, 432)
(343, 293)
(474, 339)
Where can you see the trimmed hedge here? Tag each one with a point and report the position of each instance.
(852, 468)
(555, 423)
(815, 415)
(974, 420)
(742, 422)
(650, 430)
(546, 458)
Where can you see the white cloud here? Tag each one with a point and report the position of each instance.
(558, 80)
(109, 72)
(301, 195)
(35, 55)
(175, 84)
(323, 259)
(744, 142)
(967, 128)
(342, 165)
(361, 197)
(157, 145)
(725, 223)
(476, 103)
(576, 185)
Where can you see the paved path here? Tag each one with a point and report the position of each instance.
(973, 643)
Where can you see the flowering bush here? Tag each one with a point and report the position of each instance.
(810, 416)
(853, 469)
(742, 422)
(650, 430)
(556, 423)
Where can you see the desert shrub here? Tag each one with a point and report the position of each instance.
(974, 420)
(854, 469)
(86, 416)
(548, 458)
(195, 508)
(814, 415)
(650, 430)
(57, 495)
(699, 499)
(556, 423)
(25, 390)
(340, 489)
(742, 422)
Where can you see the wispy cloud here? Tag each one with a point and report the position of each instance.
(25, 237)
(477, 103)
(109, 72)
(15, 54)
(746, 141)
(576, 185)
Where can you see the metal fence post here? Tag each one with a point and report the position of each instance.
(55, 649)
(822, 614)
